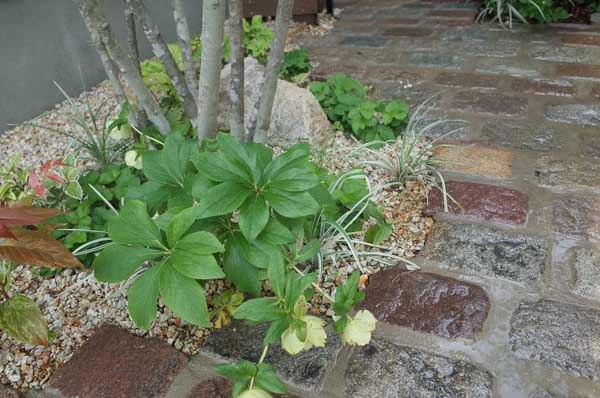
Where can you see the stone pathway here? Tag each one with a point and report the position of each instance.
(508, 300)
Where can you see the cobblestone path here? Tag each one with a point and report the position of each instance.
(508, 300)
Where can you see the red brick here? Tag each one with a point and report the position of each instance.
(427, 302)
(410, 32)
(481, 201)
(461, 79)
(115, 363)
(579, 70)
(543, 87)
(452, 13)
(584, 40)
(489, 102)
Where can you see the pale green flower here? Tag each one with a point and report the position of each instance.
(358, 330)
(315, 336)
(133, 159)
(255, 393)
(122, 133)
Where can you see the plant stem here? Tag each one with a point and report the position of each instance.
(314, 285)
(261, 360)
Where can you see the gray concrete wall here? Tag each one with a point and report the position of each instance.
(42, 41)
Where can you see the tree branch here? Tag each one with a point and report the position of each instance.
(185, 43)
(95, 20)
(269, 87)
(236, 88)
(162, 52)
(134, 53)
(213, 21)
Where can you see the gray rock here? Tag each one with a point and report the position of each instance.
(577, 217)
(483, 49)
(562, 336)
(520, 134)
(487, 251)
(561, 54)
(442, 128)
(363, 41)
(586, 115)
(552, 171)
(587, 274)
(242, 341)
(383, 369)
(296, 117)
(435, 60)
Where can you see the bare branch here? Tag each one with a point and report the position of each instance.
(185, 43)
(95, 21)
(162, 52)
(213, 21)
(236, 89)
(134, 53)
(269, 87)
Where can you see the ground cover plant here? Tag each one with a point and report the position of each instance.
(506, 12)
(345, 102)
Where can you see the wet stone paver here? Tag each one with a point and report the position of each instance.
(521, 134)
(480, 201)
(577, 217)
(560, 335)
(587, 273)
(474, 159)
(399, 371)
(487, 251)
(427, 302)
(552, 171)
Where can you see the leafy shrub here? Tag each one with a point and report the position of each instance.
(13, 182)
(504, 11)
(295, 66)
(257, 38)
(345, 102)
(231, 210)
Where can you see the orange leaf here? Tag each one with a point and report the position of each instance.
(36, 248)
(16, 216)
(5, 232)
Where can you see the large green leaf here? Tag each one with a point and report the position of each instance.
(195, 266)
(267, 379)
(184, 296)
(141, 298)
(217, 168)
(239, 270)
(259, 310)
(176, 155)
(296, 155)
(21, 319)
(295, 180)
(154, 169)
(254, 215)
(179, 225)
(275, 233)
(133, 226)
(117, 263)
(222, 199)
(292, 204)
(235, 153)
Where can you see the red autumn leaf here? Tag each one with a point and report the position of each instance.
(36, 248)
(16, 216)
(57, 178)
(50, 164)
(37, 184)
(5, 232)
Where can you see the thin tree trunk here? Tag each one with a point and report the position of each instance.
(185, 43)
(213, 21)
(95, 20)
(236, 87)
(134, 53)
(269, 87)
(162, 52)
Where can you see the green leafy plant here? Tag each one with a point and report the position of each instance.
(412, 161)
(93, 139)
(224, 306)
(13, 182)
(505, 11)
(257, 38)
(295, 66)
(345, 102)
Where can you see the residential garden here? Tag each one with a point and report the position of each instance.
(401, 200)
